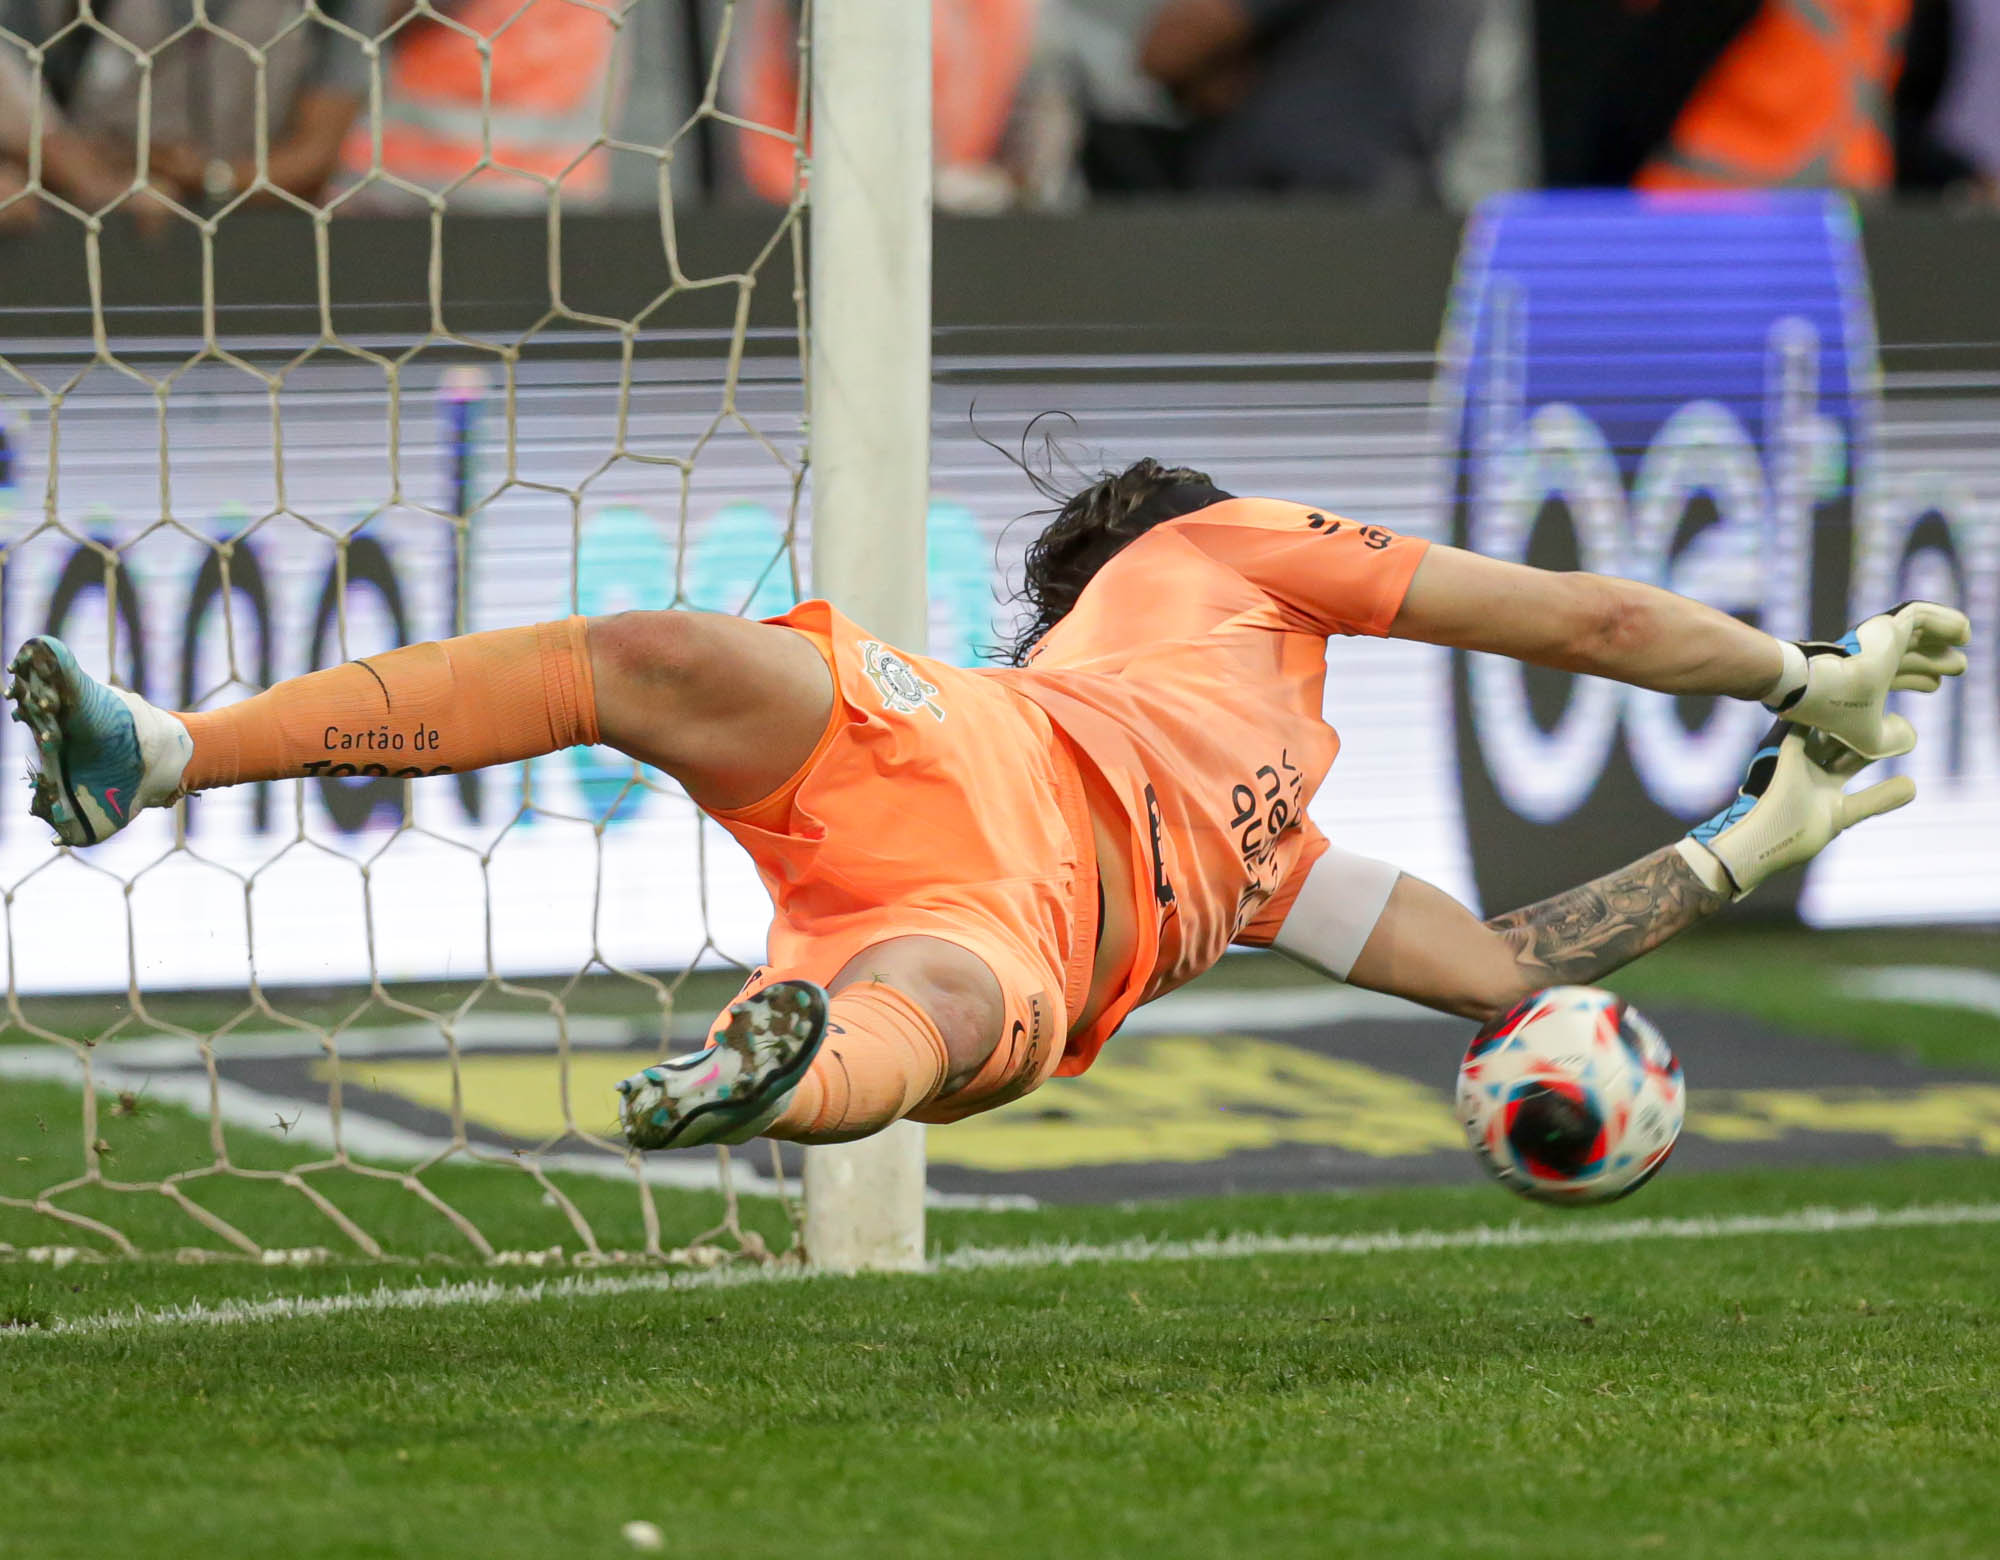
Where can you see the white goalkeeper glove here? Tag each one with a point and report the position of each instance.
(1841, 688)
(1791, 807)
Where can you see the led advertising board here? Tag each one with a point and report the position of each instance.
(1692, 401)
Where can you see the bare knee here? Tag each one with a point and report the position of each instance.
(952, 985)
(650, 650)
(727, 706)
(644, 669)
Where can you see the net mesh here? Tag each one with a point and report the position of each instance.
(358, 1014)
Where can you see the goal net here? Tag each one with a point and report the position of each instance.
(361, 1014)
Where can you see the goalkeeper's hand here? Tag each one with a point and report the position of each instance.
(1841, 688)
(1790, 808)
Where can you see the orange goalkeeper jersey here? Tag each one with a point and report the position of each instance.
(1191, 673)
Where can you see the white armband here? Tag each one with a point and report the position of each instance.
(1338, 905)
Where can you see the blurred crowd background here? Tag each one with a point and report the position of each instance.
(1040, 104)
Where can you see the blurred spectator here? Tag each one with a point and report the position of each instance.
(1732, 94)
(1004, 127)
(205, 88)
(68, 166)
(71, 166)
(1948, 102)
(1968, 115)
(1494, 147)
(557, 82)
(1355, 96)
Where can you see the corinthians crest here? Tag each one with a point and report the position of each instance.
(902, 690)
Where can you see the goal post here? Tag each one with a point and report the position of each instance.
(868, 418)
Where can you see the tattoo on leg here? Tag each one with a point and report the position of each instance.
(388, 704)
(1577, 936)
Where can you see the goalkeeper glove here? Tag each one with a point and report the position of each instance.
(1841, 688)
(1790, 808)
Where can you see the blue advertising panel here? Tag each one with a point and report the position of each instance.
(1679, 393)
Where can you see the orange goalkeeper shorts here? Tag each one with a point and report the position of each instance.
(939, 803)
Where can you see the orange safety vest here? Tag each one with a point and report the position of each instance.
(1800, 98)
(553, 89)
(979, 52)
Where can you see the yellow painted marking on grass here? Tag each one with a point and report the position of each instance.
(519, 1094)
(1191, 1098)
(1939, 1115)
(1187, 1099)
(1182, 1098)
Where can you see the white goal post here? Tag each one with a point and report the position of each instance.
(868, 415)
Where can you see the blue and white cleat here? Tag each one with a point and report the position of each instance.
(738, 1086)
(103, 754)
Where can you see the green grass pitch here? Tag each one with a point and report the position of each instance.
(1770, 1395)
(1798, 1392)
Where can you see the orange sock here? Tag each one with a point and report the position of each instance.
(882, 1059)
(430, 709)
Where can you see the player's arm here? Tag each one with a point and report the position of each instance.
(1610, 627)
(1592, 623)
(1328, 575)
(1362, 922)
(1429, 948)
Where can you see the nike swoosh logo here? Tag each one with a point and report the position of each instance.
(111, 796)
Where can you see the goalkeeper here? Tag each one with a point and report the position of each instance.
(978, 874)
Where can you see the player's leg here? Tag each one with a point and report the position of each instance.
(914, 1026)
(731, 708)
(914, 1020)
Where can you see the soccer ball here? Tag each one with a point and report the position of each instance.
(1572, 1097)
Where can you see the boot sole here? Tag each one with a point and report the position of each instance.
(754, 1018)
(38, 696)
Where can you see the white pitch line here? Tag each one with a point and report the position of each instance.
(1928, 985)
(477, 1292)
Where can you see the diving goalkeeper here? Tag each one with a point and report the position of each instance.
(978, 874)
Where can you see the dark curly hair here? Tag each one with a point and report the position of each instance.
(1091, 528)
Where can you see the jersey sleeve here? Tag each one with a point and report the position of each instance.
(1326, 574)
(1262, 929)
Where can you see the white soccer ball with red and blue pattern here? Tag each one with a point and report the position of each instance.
(1571, 1097)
